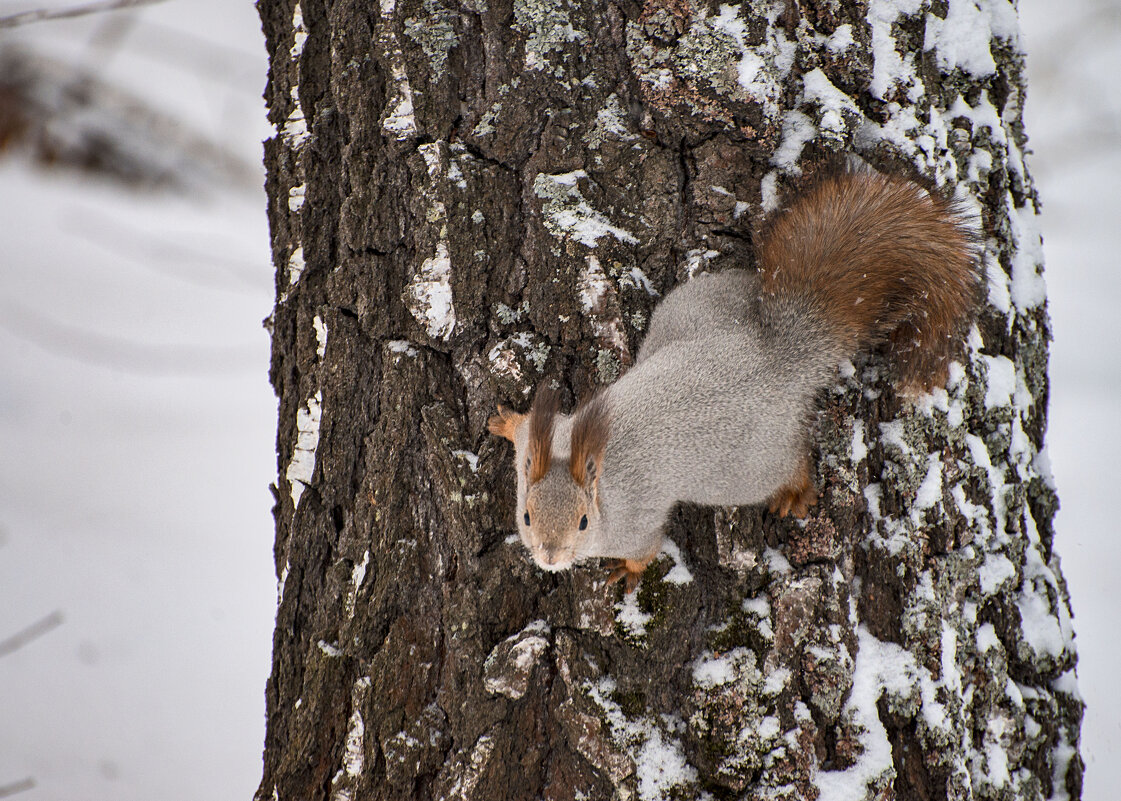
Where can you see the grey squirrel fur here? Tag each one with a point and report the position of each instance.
(717, 406)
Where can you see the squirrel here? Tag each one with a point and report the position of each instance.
(716, 409)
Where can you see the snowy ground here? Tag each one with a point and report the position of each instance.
(137, 425)
(137, 422)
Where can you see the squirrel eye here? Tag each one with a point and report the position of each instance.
(583, 522)
(525, 517)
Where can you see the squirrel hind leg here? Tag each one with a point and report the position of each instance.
(796, 496)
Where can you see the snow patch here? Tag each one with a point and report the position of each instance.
(776, 562)
(659, 758)
(296, 197)
(401, 346)
(295, 265)
(567, 215)
(637, 278)
(302, 464)
(357, 576)
(776, 681)
(299, 33)
(892, 434)
(986, 637)
(880, 666)
(889, 68)
(1028, 288)
(630, 617)
(980, 453)
(1001, 381)
(994, 572)
(679, 573)
(797, 130)
(399, 118)
(835, 105)
(930, 491)
(1040, 627)
(711, 671)
(768, 192)
(295, 132)
(761, 67)
(429, 295)
(841, 39)
(471, 458)
(320, 336)
(697, 260)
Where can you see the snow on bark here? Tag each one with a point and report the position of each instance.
(301, 467)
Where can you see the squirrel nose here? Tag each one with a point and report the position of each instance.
(557, 554)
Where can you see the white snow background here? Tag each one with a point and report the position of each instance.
(137, 423)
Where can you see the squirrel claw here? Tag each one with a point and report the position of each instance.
(627, 569)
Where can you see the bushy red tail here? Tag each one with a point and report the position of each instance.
(879, 257)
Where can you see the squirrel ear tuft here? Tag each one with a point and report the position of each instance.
(505, 423)
(542, 416)
(590, 433)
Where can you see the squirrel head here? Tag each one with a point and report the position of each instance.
(558, 500)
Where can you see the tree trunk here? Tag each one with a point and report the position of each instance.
(467, 198)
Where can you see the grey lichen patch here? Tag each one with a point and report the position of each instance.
(463, 771)
(485, 125)
(827, 674)
(435, 33)
(549, 30)
(589, 734)
(748, 625)
(716, 60)
(417, 749)
(607, 366)
(510, 663)
(511, 359)
(611, 124)
(508, 316)
(731, 721)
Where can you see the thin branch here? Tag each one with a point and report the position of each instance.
(42, 14)
(16, 787)
(22, 638)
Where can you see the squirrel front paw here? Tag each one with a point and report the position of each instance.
(797, 496)
(630, 570)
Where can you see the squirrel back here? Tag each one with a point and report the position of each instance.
(875, 257)
(716, 409)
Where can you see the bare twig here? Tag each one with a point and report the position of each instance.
(16, 787)
(22, 638)
(42, 14)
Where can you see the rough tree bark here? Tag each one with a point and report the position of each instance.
(466, 198)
